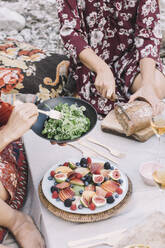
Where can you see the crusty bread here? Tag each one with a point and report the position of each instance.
(133, 116)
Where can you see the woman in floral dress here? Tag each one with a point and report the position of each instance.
(114, 50)
(13, 175)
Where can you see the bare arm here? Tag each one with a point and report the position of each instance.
(4, 140)
(146, 85)
(147, 69)
(21, 119)
(105, 82)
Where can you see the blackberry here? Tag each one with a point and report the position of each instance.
(107, 166)
(68, 203)
(83, 161)
(89, 178)
(110, 199)
(54, 188)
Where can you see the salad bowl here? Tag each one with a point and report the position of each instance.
(89, 113)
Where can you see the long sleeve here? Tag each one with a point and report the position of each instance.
(72, 27)
(148, 32)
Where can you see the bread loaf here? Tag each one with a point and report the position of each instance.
(133, 116)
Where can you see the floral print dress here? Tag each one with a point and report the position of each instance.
(121, 32)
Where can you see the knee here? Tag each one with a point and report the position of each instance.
(159, 84)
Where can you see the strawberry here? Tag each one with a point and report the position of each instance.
(108, 194)
(73, 207)
(89, 160)
(55, 195)
(52, 173)
(78, 175)
(92, 206)
(119, 191)
(66, 164)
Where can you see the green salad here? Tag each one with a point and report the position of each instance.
(72, 125)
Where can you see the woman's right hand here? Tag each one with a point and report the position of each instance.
(105, 83)
(21, 119)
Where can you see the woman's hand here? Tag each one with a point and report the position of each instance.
(105, 83)
(60, 144)
(21, 119)
(147, 92)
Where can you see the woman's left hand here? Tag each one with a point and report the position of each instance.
(147, 93)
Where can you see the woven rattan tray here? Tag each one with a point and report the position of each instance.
(83, 218)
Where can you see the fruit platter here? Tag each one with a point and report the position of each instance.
(85, 186)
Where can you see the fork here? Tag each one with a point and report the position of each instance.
(112, 151)
(83, 152)
(54, 114)
(98, 153)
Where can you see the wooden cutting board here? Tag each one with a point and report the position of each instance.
(111, 125)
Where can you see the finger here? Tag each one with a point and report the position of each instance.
(114, 97)
(53, 142)
(32, 120)
(25, 106)
(63, 144)
(109, 93)
(133, 97)
(104, 93)
(31, 112)
(158, 108)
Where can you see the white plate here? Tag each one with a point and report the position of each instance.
(46, 185)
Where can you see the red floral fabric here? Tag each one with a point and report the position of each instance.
(9, 78)
(13, 168)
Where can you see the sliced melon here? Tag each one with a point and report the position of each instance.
(82, 171)
(84, 202)
(100, 191)
(63, 169)
(77, 189)
(86, 198)
(72, 165)
(110, 186)
(63, 185)
(77, 181)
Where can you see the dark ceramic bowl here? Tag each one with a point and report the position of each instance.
(90, 112)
